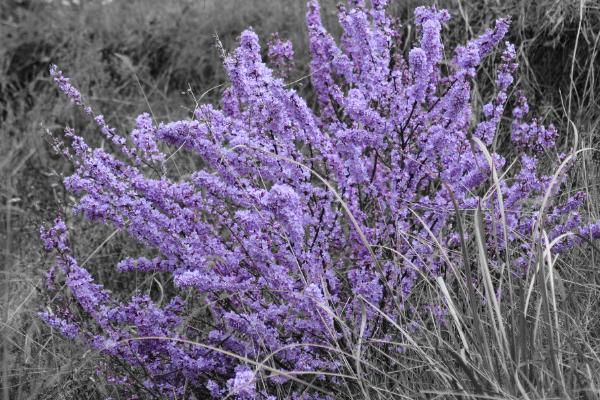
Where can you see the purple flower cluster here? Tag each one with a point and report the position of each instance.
(302, 222)
(281, 54)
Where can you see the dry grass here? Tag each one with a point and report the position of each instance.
(542, 343)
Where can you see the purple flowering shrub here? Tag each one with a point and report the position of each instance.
(308, 229)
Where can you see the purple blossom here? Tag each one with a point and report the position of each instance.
(65, 86)
(144, 137)
(243, 384)
(297, 214)
(281, 54)
(66, 328)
